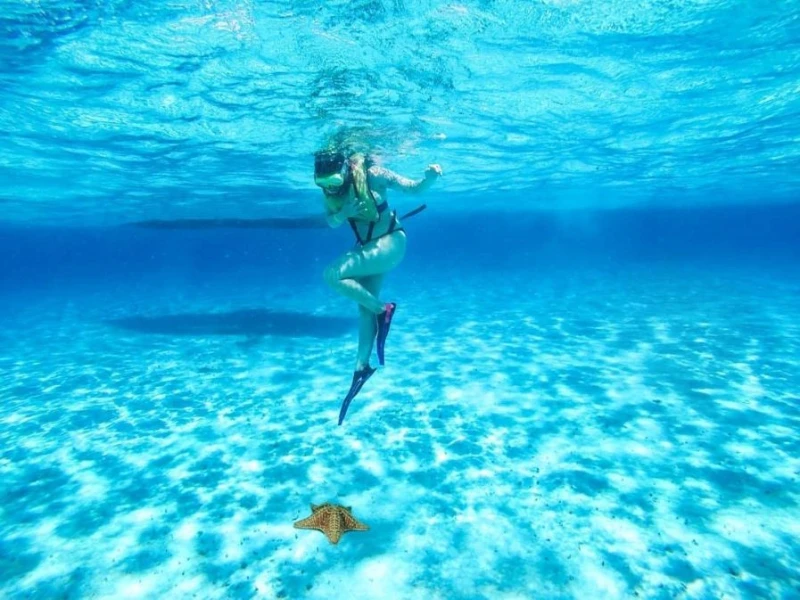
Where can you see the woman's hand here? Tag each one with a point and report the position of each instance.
(352, 208)
(433, 171)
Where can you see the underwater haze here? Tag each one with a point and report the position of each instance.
(592, 381)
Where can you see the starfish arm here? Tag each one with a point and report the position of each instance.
(353, 524)
(334, 535)
(307, 523)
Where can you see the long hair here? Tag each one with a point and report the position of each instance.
(358, 170)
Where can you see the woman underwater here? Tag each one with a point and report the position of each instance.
(355, 191)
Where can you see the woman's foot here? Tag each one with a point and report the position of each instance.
(384, 322)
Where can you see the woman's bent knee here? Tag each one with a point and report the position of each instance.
(332, 275)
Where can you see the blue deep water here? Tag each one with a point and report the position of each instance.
(592, 381)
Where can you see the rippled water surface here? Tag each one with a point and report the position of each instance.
(116, 110)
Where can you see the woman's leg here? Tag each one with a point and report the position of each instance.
(376, 258)
(367, 330)
(367, 324)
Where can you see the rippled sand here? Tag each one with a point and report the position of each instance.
(609, 434)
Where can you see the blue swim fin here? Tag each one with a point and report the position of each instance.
(359, 379)
(384, 322)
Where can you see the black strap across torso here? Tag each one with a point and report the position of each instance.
(381, 209)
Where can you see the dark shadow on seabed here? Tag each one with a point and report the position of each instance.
(253, 322)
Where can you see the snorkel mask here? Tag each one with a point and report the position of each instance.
(331, 172)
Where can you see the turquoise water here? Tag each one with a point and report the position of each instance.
(591, 387)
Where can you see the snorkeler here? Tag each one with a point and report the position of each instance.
(355, 191)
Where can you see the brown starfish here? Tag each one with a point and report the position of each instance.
(332, 520)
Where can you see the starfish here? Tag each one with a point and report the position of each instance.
(332, 520)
